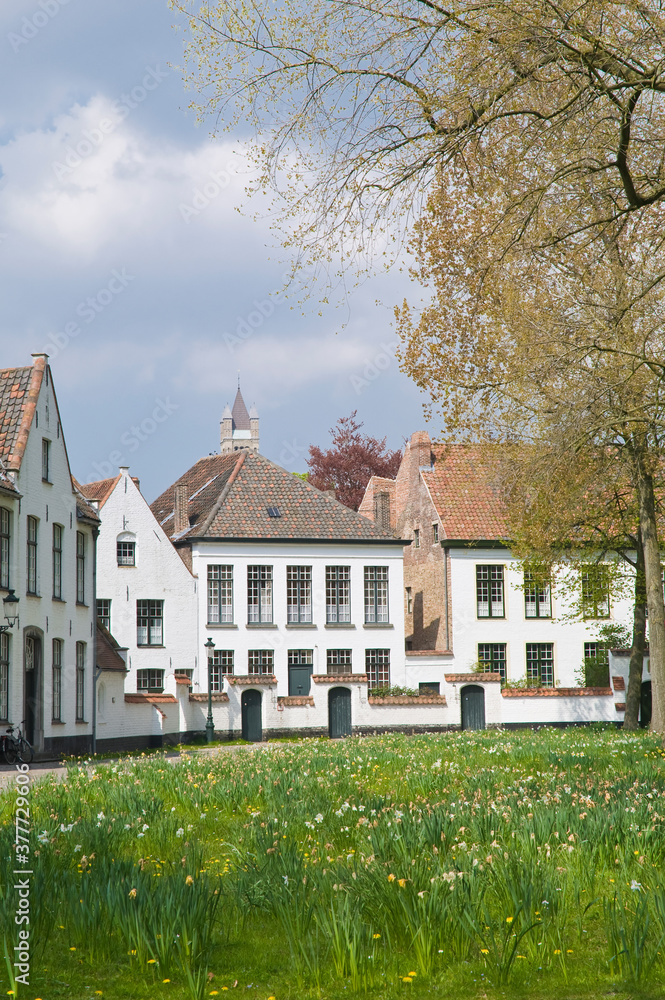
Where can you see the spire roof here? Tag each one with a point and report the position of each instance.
(240, 414)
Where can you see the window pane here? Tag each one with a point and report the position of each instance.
(339, 661)
(489, 591)
(4, 548)
(149, 623)
(259, 594)
(377, 667)
(338, 594)
(298, 594)
(126, 553)
(493, 656)
(4, 676)
(260, 661)
(220, 595)
(376, 595)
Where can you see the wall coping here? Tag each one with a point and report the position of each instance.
(182, 679)
(618, 683)
(296, 700)
(406, 699)
(591, 692)
(216, 697)
(620, 706)
(252, 680)
(487, 678)
(429, 652)
(339, 678)
(139, 698)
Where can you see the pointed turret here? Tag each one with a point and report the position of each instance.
(239, 429)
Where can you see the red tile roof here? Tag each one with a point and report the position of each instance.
(462, 485)
(108, 655)
(19, 392)
(230, 497)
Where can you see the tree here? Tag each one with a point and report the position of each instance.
(563, 347)
(357, 106)
(352, 460)
(567, 511)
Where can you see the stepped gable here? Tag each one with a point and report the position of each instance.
(246, 496)
(462, 485)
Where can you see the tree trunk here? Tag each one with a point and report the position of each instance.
(654, 588)
(634, 692)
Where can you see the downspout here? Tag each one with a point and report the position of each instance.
(95, 670)
(445, 595)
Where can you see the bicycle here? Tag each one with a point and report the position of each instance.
(9, 746)
(18, 745)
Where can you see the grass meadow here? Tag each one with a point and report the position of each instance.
(470, 865)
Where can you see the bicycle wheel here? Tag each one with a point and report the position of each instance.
(25, 752)
(9, 749)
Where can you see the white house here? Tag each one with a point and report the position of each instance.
(301, 596)
(469, 606)
(47, 558)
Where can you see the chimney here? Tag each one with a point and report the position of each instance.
(180, 509)
(421, 446)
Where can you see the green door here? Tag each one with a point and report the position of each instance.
(299, 680)
(473, 707)
(339, 713)
(645, 704)
(252, 726)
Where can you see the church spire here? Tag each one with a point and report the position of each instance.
(239, 428)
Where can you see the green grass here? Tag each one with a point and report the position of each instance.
(475, 865)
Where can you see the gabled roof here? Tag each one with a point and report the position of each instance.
(246, 496)
(463, 488)
(19, 392)
(108, 651)
(102, 489)
(240, 414)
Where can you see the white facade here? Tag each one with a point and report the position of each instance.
(318, 637)
(145, 568)
(54, 605)
(566, 634)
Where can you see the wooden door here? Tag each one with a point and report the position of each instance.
(473, 707)
(645, 704)
(252, 725)
(339, 713)
(299, 680)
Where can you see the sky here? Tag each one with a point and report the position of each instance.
(124, 256)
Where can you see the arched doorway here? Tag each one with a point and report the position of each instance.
(252, 725)
(33, 689)
(473, 707)
(645, 704)
(339, 713)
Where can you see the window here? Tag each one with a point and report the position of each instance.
(377, 667)
(260, 661)
(104, 612)
(429, 687)
(4, 677)
(57, 681)
(32, 556)
(220, 595)
(537, 597)
(596, 665)
(259, 594)
(540, 664)
(80, 681)
(416, 538)
(46, 460)
(80, 567)
(57, 561)
(493, 656)
(409, 601)
(376, 594)
(150, 623)
(595, 592)
(435, 534)
(489, 591)
(4, 547)
(338, 661)
(338, 595)
(150, 680)
(126, 553)
(298, 594)
(222, 663)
